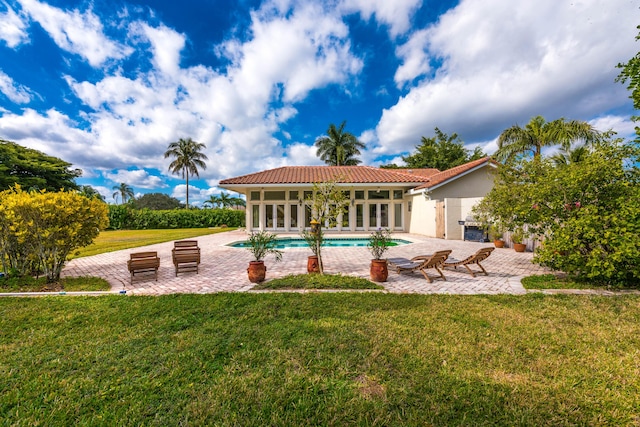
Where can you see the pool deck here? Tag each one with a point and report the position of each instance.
(224, 268)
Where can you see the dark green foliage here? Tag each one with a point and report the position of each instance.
(440, 152)
(32, 169)
(124, 218)
(339, 148)
(318, 281)
(587, 212)
(157, 202)
(630, 75)
(90, 192)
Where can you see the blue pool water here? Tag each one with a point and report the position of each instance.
(294, 242)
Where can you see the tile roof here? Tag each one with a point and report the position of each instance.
(349, 174)
(441, 177)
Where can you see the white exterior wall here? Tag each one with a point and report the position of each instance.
(423, 216)
(456, 210)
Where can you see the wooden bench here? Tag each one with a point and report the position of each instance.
(143, 263)
(186, 256)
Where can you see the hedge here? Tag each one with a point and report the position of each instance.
(124, 218)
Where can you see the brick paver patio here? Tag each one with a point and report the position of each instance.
(223, 268)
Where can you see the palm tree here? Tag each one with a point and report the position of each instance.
(212, 201)
(339, 147)
(539, 133)
(187, 159)
(566, 156)
(124, 191)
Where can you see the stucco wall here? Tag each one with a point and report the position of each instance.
(423, 216)
(474, 184)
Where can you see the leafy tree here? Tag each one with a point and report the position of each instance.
(33, 169)
(587, 212)
(327, 201)
(187, 157)
(441, 152)
(156, 202)
(538, 133)
(90, 192)
(339, 148)
(631, 74)
(124, 191)
(47, 227)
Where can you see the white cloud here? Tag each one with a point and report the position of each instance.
(623, 126)
(396, 14)
(504, 62)
(166, 45)
(137, 178)
(15, 92)
(76, 32)
(13, 28)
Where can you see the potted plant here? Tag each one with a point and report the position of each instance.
(315, 240)
(379, 242)
(495, 231)
(261, 244)
(517, 236)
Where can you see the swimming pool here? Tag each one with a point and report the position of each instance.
(296, 242)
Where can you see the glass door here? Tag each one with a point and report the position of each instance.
(274, 217)
(378, 215)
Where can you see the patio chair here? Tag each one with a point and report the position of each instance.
(186, 256)
(143, 263)
(481, 255)
(421, 263)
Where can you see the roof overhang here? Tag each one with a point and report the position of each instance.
(453, 178)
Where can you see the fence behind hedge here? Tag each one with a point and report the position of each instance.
(124, 218)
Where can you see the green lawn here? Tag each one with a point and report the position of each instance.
(114, 240)
(320, 359)
(318, 281)
(553, 281)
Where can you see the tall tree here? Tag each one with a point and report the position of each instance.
(212, 201)
(441, 152)
(157, 201)
(339, 148)
(631, 74)
(90, 193)
(124, 191)
(187, 157)
(32, 169)
(538, 133)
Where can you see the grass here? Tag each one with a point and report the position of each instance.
(70, 284)
(552, 281)
(320, 359)
(115, 240)
(318, 281)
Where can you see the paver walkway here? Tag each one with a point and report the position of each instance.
(224, 269)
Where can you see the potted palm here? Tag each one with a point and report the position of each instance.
(517, 236)
(315, 240)
(495, 231)
(261, 244)
(379, 242)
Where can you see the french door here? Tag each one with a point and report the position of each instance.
(378, 215)
(274, 216)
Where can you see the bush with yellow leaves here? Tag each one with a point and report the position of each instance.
(40, 229)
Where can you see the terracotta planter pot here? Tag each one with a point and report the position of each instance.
(499, 243)
(312, 264)
(519, 247)
(257, 271)
(378, 270)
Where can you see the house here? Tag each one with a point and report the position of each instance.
(422, 201)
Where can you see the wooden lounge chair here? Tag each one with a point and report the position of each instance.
(421, 263)
(481, 255)
(143, 262)
(186, 256)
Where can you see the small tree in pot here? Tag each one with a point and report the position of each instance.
(379, 242)
(261, 244)
(315, 240)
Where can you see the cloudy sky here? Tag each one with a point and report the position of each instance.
(107, 85)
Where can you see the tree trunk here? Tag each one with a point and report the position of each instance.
(187, 174)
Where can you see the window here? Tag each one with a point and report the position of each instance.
(308, 195)
(359, 216)
(293, 195)
(294, 216)
(397, 215)
(274, 195)
(255, 216)
(397, 194)
(359, 194)
(255, 195)
(378, 194)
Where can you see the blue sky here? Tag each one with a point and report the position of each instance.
(107, 85)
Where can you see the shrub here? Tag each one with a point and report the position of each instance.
(47, 227)
(124, 218)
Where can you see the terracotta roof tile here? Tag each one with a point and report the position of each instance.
(349, 174)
